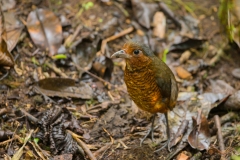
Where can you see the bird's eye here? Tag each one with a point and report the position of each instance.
(136, 52)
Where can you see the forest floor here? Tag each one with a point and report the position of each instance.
(61, 80)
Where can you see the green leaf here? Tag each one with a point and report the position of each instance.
(35, 61)
(165, 52)
(36, 140)
(59, 56)
(88, 5)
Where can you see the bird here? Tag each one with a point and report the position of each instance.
(150, 83)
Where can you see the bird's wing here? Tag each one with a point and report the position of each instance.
(166, 82)
(163, 78)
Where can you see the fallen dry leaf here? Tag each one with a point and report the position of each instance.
(220, 86)
(144, 12)
(233, 102)
(64, 87)
(180, 133)
(8, 4)
(13, 30)
(236, 73)
(182, 73)
(159, 24)
(6, 58)
(45, 30)
(185, 56)
(200, 137)
(182, 156)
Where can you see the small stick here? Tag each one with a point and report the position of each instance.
(226, 118)
(123, 144)
(91, 74)
(83, 145)
(102, 149)
(219, 133)
(69, 41)
(196, 156)
(175, 152)
(56, 70)
(170, 14)
(187, 8)
(29, 116)
(112, 140)
(4, 110)
(122, 33)
(125, 12)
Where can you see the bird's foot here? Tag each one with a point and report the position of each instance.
(151, 130)
(165, 144)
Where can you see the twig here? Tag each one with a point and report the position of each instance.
(220, 53)
(125, 12)
(108, 146)
(93, 75)
(219, 133)
(180, 2)
(56, 70)
(19, 153)
(170, 14)
(123, 144)
(180, 133)
(39, 90)
(112, 140)
(196, 156)
(172, 154)
(7, 141)
(69, 41)
(5, 75)
(122, 33)
(226, 118)
(4, 110)
(40, 154)
(83, 145)
(110, 96)
(102, 149)
(29, 116)
(226, 132)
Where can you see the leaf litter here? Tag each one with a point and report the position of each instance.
(82, 92)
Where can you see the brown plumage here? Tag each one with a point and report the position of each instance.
(150, 82)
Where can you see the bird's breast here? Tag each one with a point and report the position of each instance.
(143, 89)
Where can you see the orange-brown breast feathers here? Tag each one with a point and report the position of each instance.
(150, 82)
(143, 89)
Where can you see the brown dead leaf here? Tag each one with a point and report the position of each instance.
(200, 137)
(13, 31)
(236, 73)
(180, 133)
(8, 4)
(182, 73)
(45, 30)
(159, 24)
(220, 86)
(6, 58)
(103, 66)
(185, 56)
(144, 12)
(182, 156)
(233, 102)
(64, 87)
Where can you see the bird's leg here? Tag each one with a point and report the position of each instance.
(151, 130)
(168, 136)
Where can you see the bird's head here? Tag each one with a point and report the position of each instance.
(136, 54)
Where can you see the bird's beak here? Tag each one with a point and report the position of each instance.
(121, 54)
